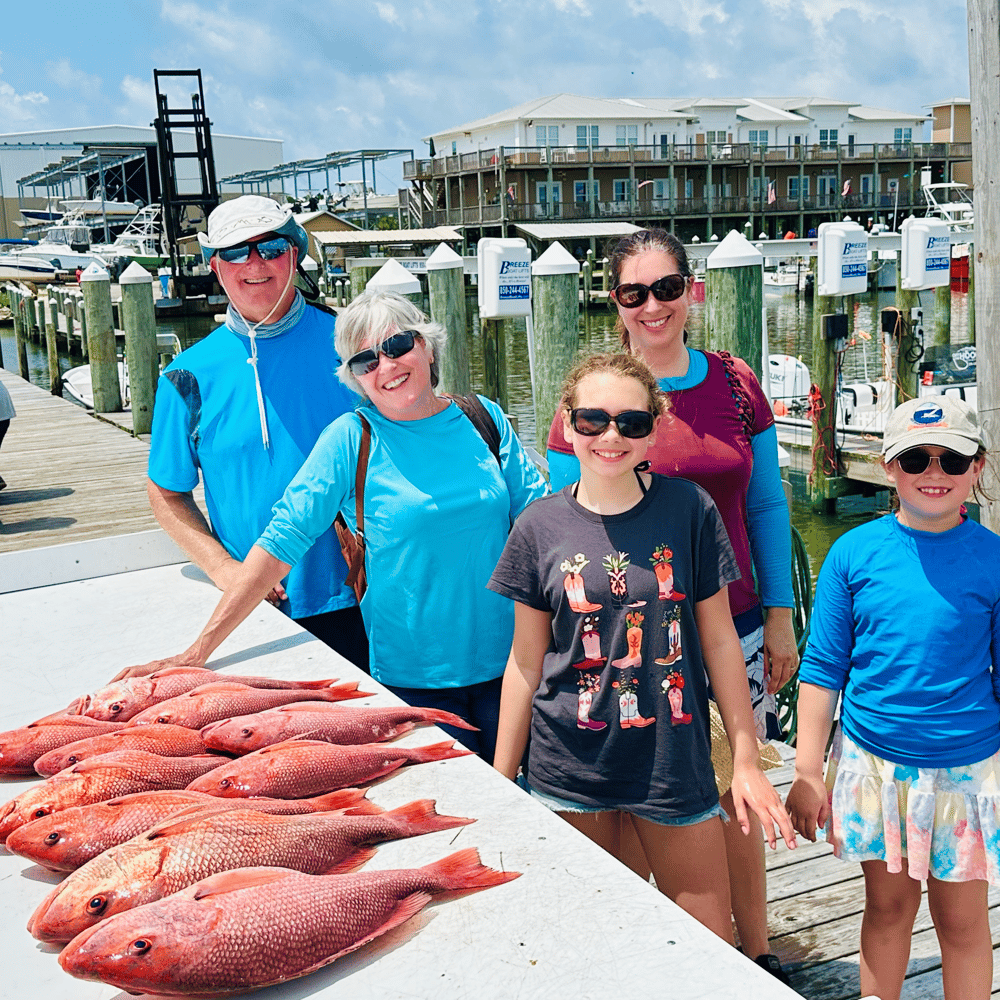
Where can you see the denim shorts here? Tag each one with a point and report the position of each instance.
(557, 804)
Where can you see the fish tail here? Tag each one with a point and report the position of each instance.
(464, 870)
(436, 751)
(420, 817)
(439, 715)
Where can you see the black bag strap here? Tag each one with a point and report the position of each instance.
(473, 408)
(360, 475)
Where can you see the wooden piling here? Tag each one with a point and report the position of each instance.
(20, 338)
(446, 292)
(96, 286)
(605, 275)
(495, 361)
(360, 275)
(908, 349)
(942, 315)
(555, 280)
(971, 299)
(734, 299)
(587, 272)
(48, 307)
(825, 483)
(139, 322)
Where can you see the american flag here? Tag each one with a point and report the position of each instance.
(772, 197)
(847, 188)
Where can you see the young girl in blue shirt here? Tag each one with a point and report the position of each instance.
(906, 627)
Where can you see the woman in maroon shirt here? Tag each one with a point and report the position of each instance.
(720, 435)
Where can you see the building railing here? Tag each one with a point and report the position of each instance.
(684, 153)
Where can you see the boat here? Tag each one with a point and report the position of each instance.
(785, 279)
(142, 241)
(25, 267)
(66, 244)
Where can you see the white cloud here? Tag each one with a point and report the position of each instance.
(61, 72)
(688, 20)
(19, 109)
(387, 13)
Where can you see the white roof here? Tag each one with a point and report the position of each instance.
(575, 230)
(370, 237)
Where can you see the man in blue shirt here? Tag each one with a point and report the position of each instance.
(243, 409)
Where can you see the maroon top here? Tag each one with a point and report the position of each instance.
(703, 438)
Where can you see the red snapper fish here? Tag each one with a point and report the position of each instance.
(317, 721)
(20, 748)
(256, 927)
(187, 848)
(98, 779)
(297, 768)
(222, 699)
(71, 837)
(122, 699)
(165, 741)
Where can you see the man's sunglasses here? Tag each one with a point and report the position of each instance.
(266, 250)
(630, 423)
(392, 347)
(665, 289)
(916, 460)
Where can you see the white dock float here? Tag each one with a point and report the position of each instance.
(576, 924)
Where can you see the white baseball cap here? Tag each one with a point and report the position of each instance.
(944, 421)
(246, 218)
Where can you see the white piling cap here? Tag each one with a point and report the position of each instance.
(134, 274)
(556, 260)
(735, 251)
(94, 272)
(443, 259)
(308, 264)
(393, 277)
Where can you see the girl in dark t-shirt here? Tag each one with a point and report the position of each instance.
(621, 607)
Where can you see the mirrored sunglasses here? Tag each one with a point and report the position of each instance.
(665, 289)
(630, 423)
(365, 362)
(266, 250)
(916, 460)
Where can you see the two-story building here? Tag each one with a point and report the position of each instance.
(698, 167)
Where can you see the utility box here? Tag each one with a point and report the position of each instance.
(504, 278)
(926, 257)
(842, 259)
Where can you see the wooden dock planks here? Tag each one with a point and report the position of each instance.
(69, 476)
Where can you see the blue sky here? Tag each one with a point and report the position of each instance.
(328, 75)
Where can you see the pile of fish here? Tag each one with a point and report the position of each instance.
(212, 829)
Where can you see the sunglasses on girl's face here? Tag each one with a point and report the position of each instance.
(630, 423)
(665, 289)
(266, 250)
(916, 460)
(392, 347)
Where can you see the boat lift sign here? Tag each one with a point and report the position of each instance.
(926, 256)
(842, 258)
(504, 278)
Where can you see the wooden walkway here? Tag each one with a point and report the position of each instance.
(815, 903)
(69, 475)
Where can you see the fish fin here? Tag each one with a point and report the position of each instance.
(185, 819)
(436, 751)
(434, 716)
(220, 686)
(342, 692)
(306, 706)
(363, 808)
(286, 745)
(238, 878)
(172, 671)
(338, 799)
(359, 857)
(406, 908)
(464, 870)
(420, 816)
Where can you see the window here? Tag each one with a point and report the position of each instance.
(850, 145)
(664, 147)
(828, 138)
(580, 191)
(689, 189)
(758, 138)
(715, 137)
(903, 135)
(587, 135)
(454, 148)
(546, 135)
(626, 135)
(793, 187)
(661, 193)
(623, 189)
(548, 196)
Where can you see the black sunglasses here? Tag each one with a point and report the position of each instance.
(365, 362)
(916, 460)
(665, 289)
(266, 249)
(630, 423)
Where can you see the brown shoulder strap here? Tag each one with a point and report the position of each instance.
(361, 474)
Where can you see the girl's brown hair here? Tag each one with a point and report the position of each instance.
(625, 365)
(640, 242)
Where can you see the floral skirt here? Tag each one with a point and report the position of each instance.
(943, 821)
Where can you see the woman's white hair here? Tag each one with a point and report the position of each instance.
(372, 317)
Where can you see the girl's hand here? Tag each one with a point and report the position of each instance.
(751, 789)
(781, 654)
(809, 804)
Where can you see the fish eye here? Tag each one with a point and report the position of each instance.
(224, 783)
(72, 759)
(163, 718)
(246, 732)
(53, 837)
(139, 946)
(40, 812)
(115, 707)
(96, 905)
